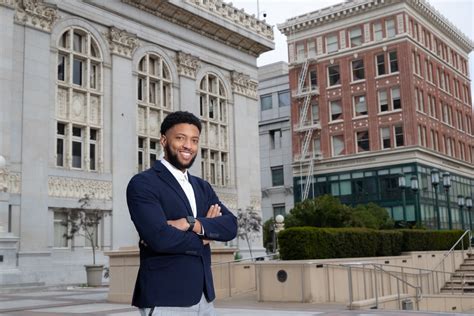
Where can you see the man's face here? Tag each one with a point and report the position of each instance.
(181, 143)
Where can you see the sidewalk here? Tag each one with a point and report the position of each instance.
(93, 301)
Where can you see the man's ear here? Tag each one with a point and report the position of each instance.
(163, 140)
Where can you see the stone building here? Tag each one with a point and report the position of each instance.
(84, 86)
(275, 140)
(382, 109)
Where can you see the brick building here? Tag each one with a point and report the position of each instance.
(381, 106)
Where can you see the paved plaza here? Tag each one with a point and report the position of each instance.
(93, 301)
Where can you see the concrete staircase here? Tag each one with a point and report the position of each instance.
(462, 281)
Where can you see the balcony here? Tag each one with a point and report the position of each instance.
(306, 126)
(313, 155)
(314, 90)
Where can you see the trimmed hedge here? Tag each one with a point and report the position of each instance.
(298, 243)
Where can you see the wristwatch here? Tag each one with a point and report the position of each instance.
(191, 221)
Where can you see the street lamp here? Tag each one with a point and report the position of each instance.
(415, 187)
(447, 185)
(402, 185)
(278, 225)
(434, 183)
(461, 205)
(469, 206)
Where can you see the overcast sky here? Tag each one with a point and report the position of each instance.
(458, 12)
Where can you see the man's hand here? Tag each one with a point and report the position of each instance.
(214, 211)
(181, 224)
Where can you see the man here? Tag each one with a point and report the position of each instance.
(176, 216)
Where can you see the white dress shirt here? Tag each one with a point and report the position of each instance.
(182, 178)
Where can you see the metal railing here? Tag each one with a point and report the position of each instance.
(450, 252)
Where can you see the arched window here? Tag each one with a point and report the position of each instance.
(214, 136)
(154, 98)
(79, 101)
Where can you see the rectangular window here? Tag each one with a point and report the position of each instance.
(275, 138)
(61, 67)
(93, 149)
(315, 112)
(360, 105)
(77, 71)
(355, 36)
(393, 62)
(284, 98)
(300, 53)
(277, 176)
(60, 144)
(399, 141)
(266, 102)
(336, 110)
(338, 145)
(153, 151)
(383, 101)
(390, 28)
(378, 33)
(396, 103)
(140, 88)
(78, 42)
(77, 133)
(385, 137)
(141, 153)
(60, 229)
(94, 76)
(278, 209)
(334, 75)
(358, 70)
(152, 92)
(311, 48)
(363, 143)
(380, 59)
(313, 79)
(331, 43)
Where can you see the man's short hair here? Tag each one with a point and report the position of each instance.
(179, 117)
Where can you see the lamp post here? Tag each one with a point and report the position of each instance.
(447, 185)
(278, 225)
(415, 187)
(469, 207)
(402, 185)
(461, 205)
(434, 183)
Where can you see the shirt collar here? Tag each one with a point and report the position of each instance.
(178, 174)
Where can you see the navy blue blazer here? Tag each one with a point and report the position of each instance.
(175, 266)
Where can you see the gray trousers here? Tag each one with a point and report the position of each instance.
(203, 308)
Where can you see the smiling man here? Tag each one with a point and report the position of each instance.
(176, 216)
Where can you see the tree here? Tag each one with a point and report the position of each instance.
(323, 211)
(84, 221)
(249, 223)
(371, 216)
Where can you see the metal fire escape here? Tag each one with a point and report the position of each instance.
(303, 126)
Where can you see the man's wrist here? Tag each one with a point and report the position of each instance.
(197, 227)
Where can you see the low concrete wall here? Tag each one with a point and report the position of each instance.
(124, 265)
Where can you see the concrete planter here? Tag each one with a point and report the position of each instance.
(94, 274)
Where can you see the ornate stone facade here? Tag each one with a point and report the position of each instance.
(187, 64)
(122, 42)
(242, 84)
(229, 200)
(35, 13)
(63, 187)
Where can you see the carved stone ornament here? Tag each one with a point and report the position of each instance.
(76, 188)
(8, 3)
(122, 42)
(229, 200)
(187, 64)
(35, 13)
(242, 84)
(3, 180)
(255, 202)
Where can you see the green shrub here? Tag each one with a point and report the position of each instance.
(421, 240)
(389, 242)
(321, 243)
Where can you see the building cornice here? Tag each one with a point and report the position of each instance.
(34, 13)
(357, 7)
(214, 19)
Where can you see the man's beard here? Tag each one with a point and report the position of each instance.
(173, 159)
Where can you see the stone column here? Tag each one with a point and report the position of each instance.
(37, 88)
(248, 161)
(124, 134)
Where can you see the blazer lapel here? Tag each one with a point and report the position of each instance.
(166, 176)
(200, 203)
